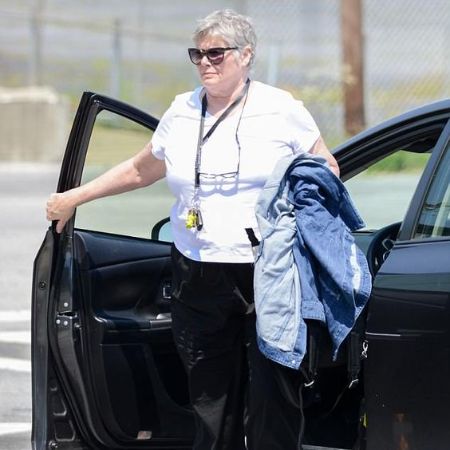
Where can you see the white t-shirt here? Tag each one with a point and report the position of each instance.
(273, 124)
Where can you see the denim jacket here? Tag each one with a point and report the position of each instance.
(308, 265)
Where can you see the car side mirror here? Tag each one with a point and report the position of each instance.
(162, 231)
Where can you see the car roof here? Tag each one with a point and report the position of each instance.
(439, 109)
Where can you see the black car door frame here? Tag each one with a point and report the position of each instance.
(91, 104)
(53, 284)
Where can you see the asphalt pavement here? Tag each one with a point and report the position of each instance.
(24, 188)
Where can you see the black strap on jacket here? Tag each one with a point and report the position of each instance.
(356, 348)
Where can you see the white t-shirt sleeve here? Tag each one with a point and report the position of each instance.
(301, 127)
(183, 106)
(161, 134)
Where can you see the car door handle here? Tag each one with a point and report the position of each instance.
(161, 321)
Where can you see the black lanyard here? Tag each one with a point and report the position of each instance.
(202, 139)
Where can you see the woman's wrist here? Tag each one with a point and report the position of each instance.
(74, 197)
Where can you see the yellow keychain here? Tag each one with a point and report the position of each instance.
(191, 219)
(194, 219)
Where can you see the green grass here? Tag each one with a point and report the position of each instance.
(114, 140)
(400, 162)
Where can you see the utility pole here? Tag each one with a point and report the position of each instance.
(352, 65)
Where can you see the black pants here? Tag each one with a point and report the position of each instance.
(234, 390)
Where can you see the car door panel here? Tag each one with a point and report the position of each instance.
(114, 272)
(111, 377)
(409, 358)
(123, 371)
(411, 297)
(42, 271)
(121, 288)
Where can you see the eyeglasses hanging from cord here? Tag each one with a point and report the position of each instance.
(194, 217)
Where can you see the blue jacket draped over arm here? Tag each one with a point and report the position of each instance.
(308, 265)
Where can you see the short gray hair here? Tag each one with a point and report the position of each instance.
(235, 29)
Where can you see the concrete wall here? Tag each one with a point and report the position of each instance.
(33, 124)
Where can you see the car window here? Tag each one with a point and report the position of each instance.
(383, 191)
(434, 219)
(115, 139)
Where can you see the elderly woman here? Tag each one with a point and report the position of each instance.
(217, 146)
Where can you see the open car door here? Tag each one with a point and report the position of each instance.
(105, 370)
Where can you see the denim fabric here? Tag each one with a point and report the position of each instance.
(308, 265)
(277, 281)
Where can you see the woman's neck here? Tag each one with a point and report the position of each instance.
(218, 102)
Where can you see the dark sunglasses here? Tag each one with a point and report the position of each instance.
(215, 55)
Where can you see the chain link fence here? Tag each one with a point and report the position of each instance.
(136, 51)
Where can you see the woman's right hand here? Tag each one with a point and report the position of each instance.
(60, 207)
(141, 170)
